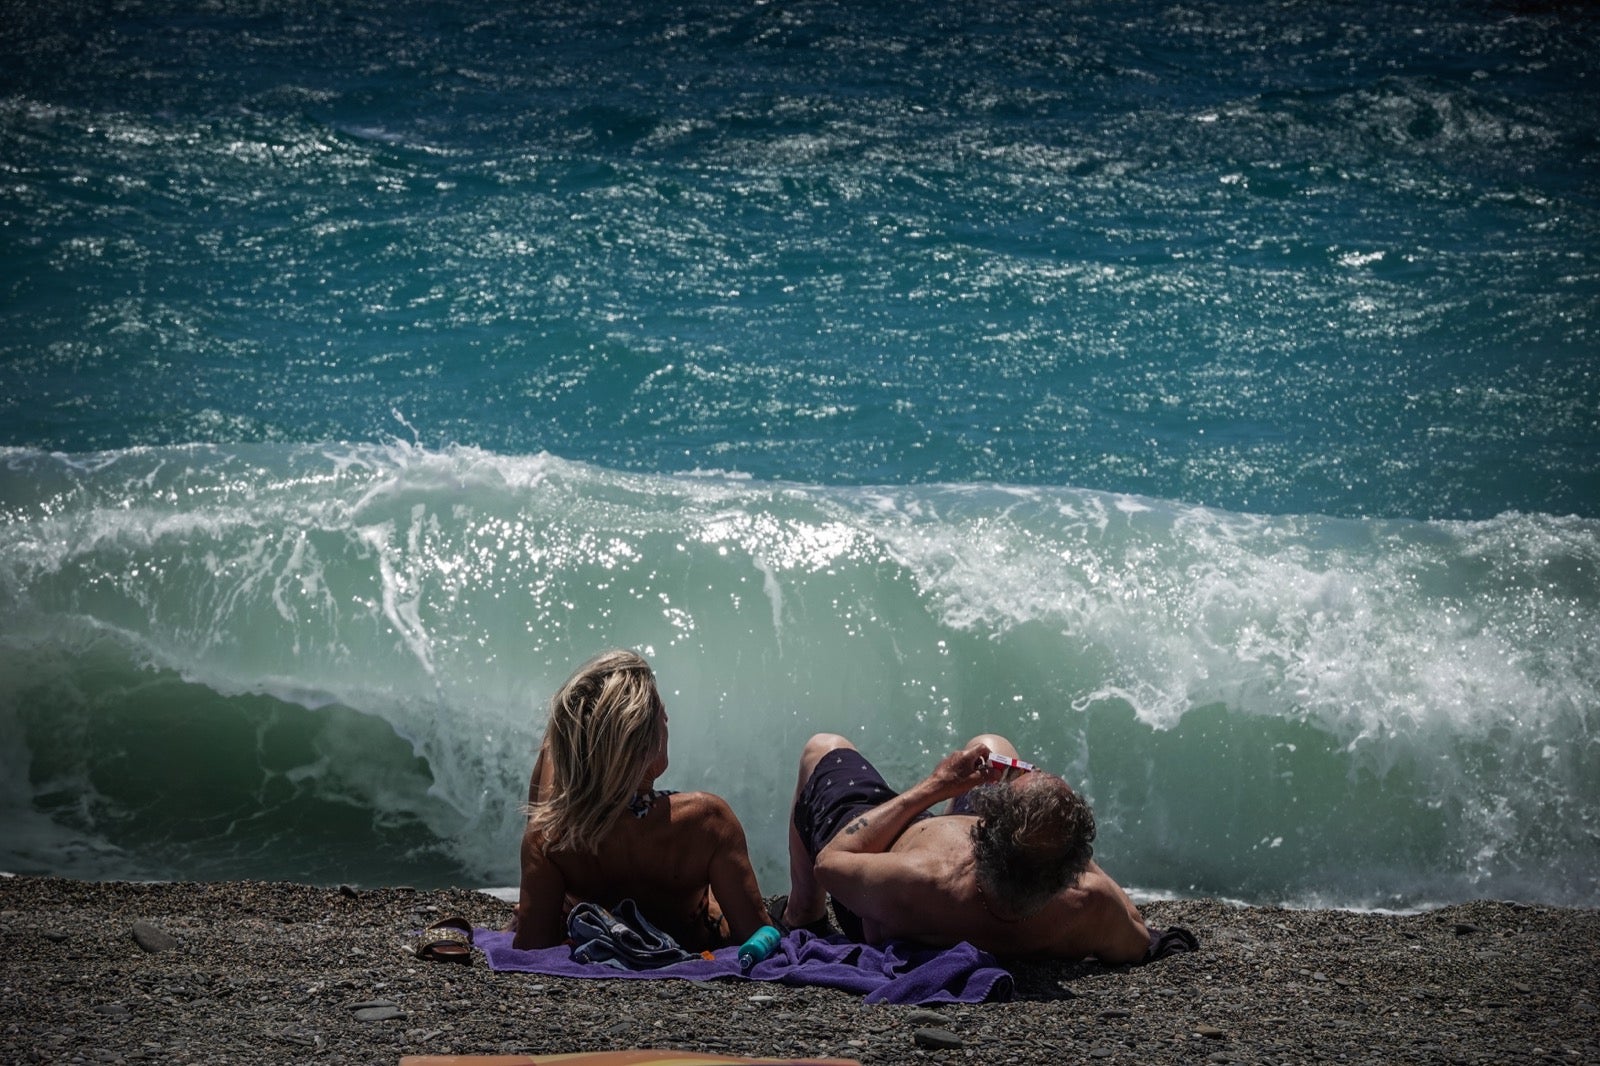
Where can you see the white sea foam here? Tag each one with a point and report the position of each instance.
(1403, 670)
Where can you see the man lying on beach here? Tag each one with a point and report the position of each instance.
(600, 831)
(1008, 870)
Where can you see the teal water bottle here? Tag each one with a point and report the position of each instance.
(762, 942)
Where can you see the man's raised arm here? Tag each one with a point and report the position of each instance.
(875, 832)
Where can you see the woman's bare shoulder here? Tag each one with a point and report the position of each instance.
(705, 812)
(707, 804)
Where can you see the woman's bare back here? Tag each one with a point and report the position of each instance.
(662, 862)
(684, 862)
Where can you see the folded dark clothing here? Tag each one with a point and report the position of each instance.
(621, 938)
(1169, 941)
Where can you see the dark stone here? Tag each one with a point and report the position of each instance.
(376, 1010)
(1210, 1031)
(1466, 929)
(937, 1038)
(153, 939)
(1113, 1012)
(378, 1014)
(348, 892)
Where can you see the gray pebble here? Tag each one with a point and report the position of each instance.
(378, 1014)
(375, 1010)
(153, 939)
(937, 1038)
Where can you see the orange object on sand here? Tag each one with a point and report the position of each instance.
(631, 1057)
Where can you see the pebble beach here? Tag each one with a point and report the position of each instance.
(248, 972)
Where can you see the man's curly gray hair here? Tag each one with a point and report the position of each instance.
(1031, 840)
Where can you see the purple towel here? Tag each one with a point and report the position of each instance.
(894, 973)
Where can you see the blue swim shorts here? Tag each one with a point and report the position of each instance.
(843, 785)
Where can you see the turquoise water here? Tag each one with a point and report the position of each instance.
(1205, 397)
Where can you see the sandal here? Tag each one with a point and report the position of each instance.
(447, 940)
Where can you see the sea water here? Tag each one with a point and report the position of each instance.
(1204, 396)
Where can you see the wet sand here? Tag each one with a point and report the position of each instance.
(275, 973)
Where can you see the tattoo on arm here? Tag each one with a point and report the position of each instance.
(856, 826)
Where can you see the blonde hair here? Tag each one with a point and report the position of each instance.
(605, 726)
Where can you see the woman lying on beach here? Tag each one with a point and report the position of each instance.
(600, 831)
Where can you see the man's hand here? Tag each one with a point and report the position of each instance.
(963, 771)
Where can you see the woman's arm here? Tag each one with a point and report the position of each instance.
(731, 877)
(538, 920)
